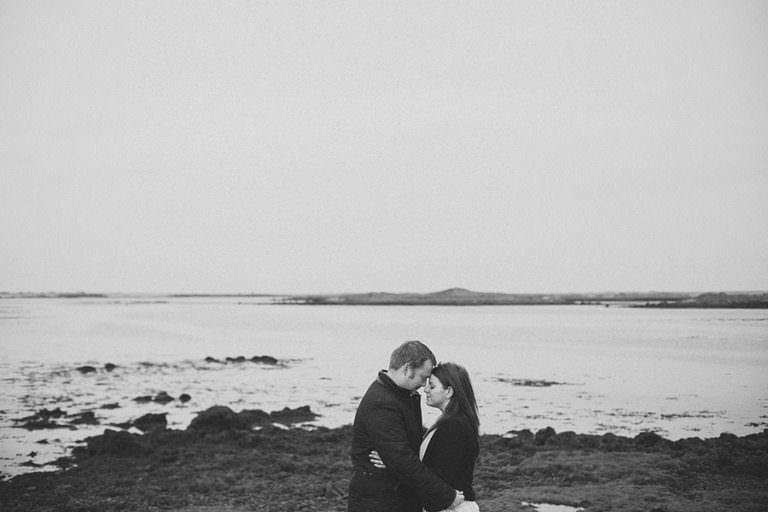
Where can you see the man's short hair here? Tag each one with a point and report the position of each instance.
(413, 353)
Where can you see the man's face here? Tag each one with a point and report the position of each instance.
(417, 377)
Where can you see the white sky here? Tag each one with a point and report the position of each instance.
(293, 147)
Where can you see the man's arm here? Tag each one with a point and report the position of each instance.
(386, 427)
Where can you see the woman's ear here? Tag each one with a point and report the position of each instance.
(449, 391)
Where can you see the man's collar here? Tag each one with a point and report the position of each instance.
(385, 379)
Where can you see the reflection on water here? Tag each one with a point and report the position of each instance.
(583, 368)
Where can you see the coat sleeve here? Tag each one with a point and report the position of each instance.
(386, 427)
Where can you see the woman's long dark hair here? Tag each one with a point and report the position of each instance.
(463, 402)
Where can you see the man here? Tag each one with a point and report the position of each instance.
(388, 420)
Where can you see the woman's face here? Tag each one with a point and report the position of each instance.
(437, 394)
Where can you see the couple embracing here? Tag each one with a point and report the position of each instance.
(399, 466)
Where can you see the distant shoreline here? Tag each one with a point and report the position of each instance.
(462, 297)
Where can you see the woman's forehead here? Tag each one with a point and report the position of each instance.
(435, 380)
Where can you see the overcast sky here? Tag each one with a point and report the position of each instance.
(289, 147)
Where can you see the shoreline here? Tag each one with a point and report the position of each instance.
(244, 461)
(452, 297)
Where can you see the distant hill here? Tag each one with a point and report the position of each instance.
(51, 295)
(464, 297)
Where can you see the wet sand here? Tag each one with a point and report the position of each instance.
(221, 463)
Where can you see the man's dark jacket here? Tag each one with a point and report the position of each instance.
(388, 420)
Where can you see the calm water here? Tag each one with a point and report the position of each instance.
(681, 373)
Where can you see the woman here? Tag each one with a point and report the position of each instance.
(450, 447)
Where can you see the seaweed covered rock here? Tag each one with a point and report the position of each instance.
(151, 422)
(113, 442)
(543, 435)
(163, 398)
(649, 440)
(289, 416)
(219, 417)
(42, 419)
(264, 360)
(84, 418)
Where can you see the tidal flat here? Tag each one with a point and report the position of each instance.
(225, 462)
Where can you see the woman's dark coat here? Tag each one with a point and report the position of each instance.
(452, 452)
(388, 420)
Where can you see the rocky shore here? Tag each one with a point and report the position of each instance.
(254, 461)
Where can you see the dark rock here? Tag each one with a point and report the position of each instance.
(42, 420)
(113, 442)
(113, 405)
(255, 416)
(109, 367)
(124, 425)
(567, 439)
(210, 359)
(143, 399)
(611, 442)
(86, 369)
(221, 418)
(184, 398)
(518, 438)
(84, 418)
(238, 359)
(163, 398)
(543, 435)
(151, 422)
(45, 414)
(218, 417)
(297, 415)
(648, 439)
(264, 360)
(691, 444)
(589, 441)
(43, 424)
